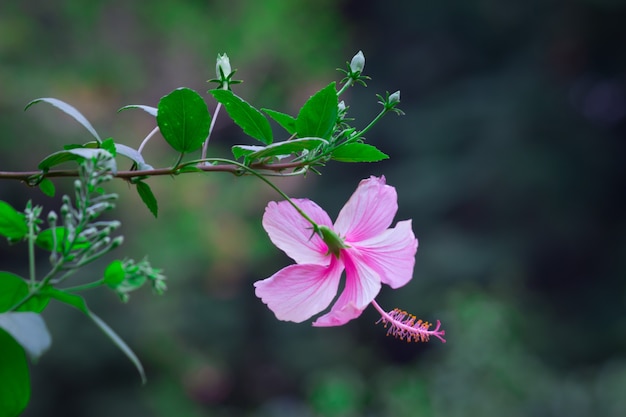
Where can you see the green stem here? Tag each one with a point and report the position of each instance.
(262, 178)
(371, 124)
(345, 87)
(31, 249)
(83, 287)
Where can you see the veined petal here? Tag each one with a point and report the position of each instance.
(391, 254)
(297, 292)
(291, 233)
(362, 286)
(368, 212)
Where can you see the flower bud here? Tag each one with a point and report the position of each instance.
(394, 98)
(341, 106)
(222, 66)
(358, 63)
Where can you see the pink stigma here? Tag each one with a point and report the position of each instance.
(405, 326)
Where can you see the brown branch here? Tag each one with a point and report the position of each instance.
(28, 175)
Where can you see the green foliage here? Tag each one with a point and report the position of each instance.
(285, 148)
(15, 386)
(145, 192)
(14, 289)
(47, 187)
(318, 116)
(358, 152)
(29, 330)
(80, 304)
(183, 119)
(245, 116)
(286, 121)
(12, 224)
(69, 110)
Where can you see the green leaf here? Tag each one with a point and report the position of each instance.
(148, 198)
(15, 386)
(183, 119)
(245, 116)
(358, 152)
(45, 240)
(67, 155)
(147, 109)
(109, 146)
(47, 187)
(114, 274)
(14, 289)
(286, 121)
(12, 223)
(134, 155)
(318, 117)
(287, 147)
(63, 106)
(79, 303)
(29, 330)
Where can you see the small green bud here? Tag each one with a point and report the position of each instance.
(358, 62)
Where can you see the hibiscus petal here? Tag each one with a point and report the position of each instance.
(291, 233)
(391, 254)
(368, 212)
(362, 286)
(297, 292)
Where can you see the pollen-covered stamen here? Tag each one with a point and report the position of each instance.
(405, 326)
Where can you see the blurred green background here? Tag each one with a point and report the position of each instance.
(510, 161)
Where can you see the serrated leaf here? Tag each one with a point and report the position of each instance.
(79, 303)
(114, 274)
(15, 387)
(147, 109)
(13, 289)
(183, 119)
(358, 152)
(245, 116)
(12, 223)
(148, 197)
(134, 155)
(286, 121)
(287, 147)
(71, 111)
(47, 187)
(29, 330)
(318, 117)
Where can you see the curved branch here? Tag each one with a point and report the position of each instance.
(127, 175)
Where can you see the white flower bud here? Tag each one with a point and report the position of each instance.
(394, 98)
(223, 63)
(358, 62)
(341, 106)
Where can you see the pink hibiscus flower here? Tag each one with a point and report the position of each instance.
(359, 242)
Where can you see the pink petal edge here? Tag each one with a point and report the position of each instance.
(298, 292)
(369, 211)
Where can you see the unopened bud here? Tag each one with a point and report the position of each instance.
(222, 68)
(52, 217)
(341, 106)
(358, 62)
(394, 98)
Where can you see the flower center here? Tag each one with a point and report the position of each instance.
(332, 240)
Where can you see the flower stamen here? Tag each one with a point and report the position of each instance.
(406, 326)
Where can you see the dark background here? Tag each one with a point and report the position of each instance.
(509, 161)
